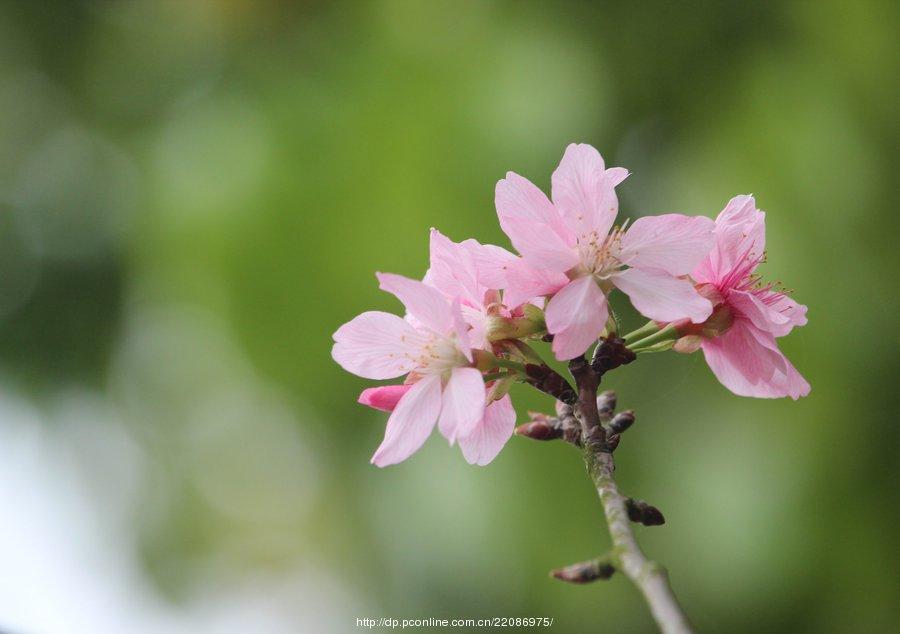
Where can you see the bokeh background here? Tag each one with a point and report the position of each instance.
(194, 195)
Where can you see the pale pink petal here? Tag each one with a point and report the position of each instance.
(584, 191)
(795, 385)
(377, 345)
(423, 302)
(795, 312)
(461, 328)
(747, 361)
(463, 403)
(533, 225)
(453, 270)
(411, 422)
(616, 175)
(384, 397)
(778, 318)
(740, 242)
(491, 262)
(483, 444)
(524, 283)
(672, 242)
(786, 379)
(661, 297)
(576, 316)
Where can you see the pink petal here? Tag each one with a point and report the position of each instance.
(463, 403)
(778, 318)
(661, 297)
(461, 329)
(533, 224)
(672, 242)
(747, 361)
(584, 191)
(375, 345)
(453, 270)
(491, 262)
(576, 316)
(524, 283)
(795, 312)
(411, 422)
(423, 302)
(384, 397)
(740, 241)
(483, 444)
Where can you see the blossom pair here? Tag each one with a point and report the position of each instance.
(447, 320)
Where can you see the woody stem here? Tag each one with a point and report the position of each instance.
(649, 577)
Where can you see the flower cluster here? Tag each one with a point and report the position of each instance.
(464, 339)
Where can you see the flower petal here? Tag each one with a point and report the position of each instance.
(453, 270)
(661, 297)
(463, 403)
(740, 242)
(576, 316)
(461, 328)
(425, 303)
(411, 422)
(383, 397)
(673, 243)
(524, 283)
(377, 345)
(491, 262)
(777, 318)
(533, 224)
(747, 361)
(483, 444)
(584, 190)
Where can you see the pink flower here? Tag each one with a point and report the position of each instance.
(571, 251)
(480, 446)
(443, 387)
(738, 340)
(474, 273)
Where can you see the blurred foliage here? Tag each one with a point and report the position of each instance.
(194, 195)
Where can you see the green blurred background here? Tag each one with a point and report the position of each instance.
(195, 195)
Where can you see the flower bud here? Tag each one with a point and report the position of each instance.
(586, 571)
(621, 421)
(538, 430)
(606, 403)
(383, 397)
(643, 513)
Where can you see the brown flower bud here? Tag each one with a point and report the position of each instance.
(642, 513)
(622, 421)
(606, 403)
(539, 430)
(586, 571)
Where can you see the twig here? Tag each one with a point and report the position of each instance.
(648, 576)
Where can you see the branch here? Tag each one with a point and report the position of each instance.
(648, 576)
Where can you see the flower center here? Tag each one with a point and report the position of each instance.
(744, 279)
(599, 254)
(438, 355)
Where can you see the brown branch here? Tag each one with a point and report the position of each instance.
(649, 577)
